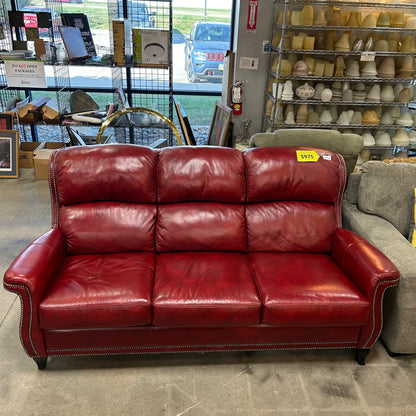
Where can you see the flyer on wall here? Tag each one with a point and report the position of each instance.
(25, 74)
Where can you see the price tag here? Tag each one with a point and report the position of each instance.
(307, 156)
(368, 56)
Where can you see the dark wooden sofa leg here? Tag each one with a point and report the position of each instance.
(361, 355)
(41, 362)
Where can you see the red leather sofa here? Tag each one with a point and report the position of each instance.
(197, 249)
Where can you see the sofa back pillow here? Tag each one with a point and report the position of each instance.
(201, 193)
(104, 198)
(386, 190)
(292, 204)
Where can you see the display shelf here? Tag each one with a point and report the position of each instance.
(348, 103)
(380, 29)
(314, 78)
(339, 3)
(345, 126)
(342, 53)
(283, 47)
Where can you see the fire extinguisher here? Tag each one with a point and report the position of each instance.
(236, 100)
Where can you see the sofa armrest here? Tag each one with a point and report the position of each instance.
(371, 271)
(29, 276)
(399, 328)
(263, 139)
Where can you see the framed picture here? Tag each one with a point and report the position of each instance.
(219, 125)
(186, 128)
(6, 121)
(9, 154)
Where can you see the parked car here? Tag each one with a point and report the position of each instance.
(138, 13)
(205, 47)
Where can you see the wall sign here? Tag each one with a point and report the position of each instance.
(25, 74)
(252, 15)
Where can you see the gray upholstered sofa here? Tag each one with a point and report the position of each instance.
(379, 206)
(348, 145)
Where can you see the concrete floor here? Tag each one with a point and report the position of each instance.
(296, 383)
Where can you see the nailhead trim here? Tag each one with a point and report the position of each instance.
(12, 289)
(373, 309)
(241, 347)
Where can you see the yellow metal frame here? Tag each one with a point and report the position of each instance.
(106, 123)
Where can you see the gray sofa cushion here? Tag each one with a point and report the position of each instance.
(387, 190)
(345, 143)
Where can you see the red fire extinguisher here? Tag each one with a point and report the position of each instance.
(236, 99)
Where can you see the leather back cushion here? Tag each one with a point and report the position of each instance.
(292, 205)
(201, 192)
(104, 198)
(124, 173)
(108, 227)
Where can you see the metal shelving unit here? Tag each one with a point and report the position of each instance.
(284, 28)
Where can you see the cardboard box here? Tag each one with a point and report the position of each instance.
(50, 145)
(26, 154)
(41, 158)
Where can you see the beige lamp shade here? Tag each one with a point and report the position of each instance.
(285, 68)
(383, 139)
(400, 138)
(310, 63)
(369, 21)
(404, 96)
(307, 15)
(336, 18)
(370, 118)
(407, 69)
(381, 45)
(369, 70)
(383, 19)
(374, 94)
(405, 120)
(276, 39)
(312, 118)
(296, 18)
(409, 44)
(339, 66)
(319, 18)
(410, 22)
(386, 68)
(354, 19)
(343, 45)
(387, 94)
(302, 114)
(397, 18)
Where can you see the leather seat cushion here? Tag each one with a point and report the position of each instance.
(306, 289)
(100, 291)
(204, 289)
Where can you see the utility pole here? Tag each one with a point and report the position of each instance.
(205, 11)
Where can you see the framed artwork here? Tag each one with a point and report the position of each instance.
(9, 154)
(219, 125)
(186, 128)
(6, 121)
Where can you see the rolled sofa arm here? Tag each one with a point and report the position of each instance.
(371, 271)
(262, 140)
(29, 276)
(399, 327)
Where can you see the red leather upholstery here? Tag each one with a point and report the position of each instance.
(197, 248)
(306, 289)
(204, 290)
(100, 291)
